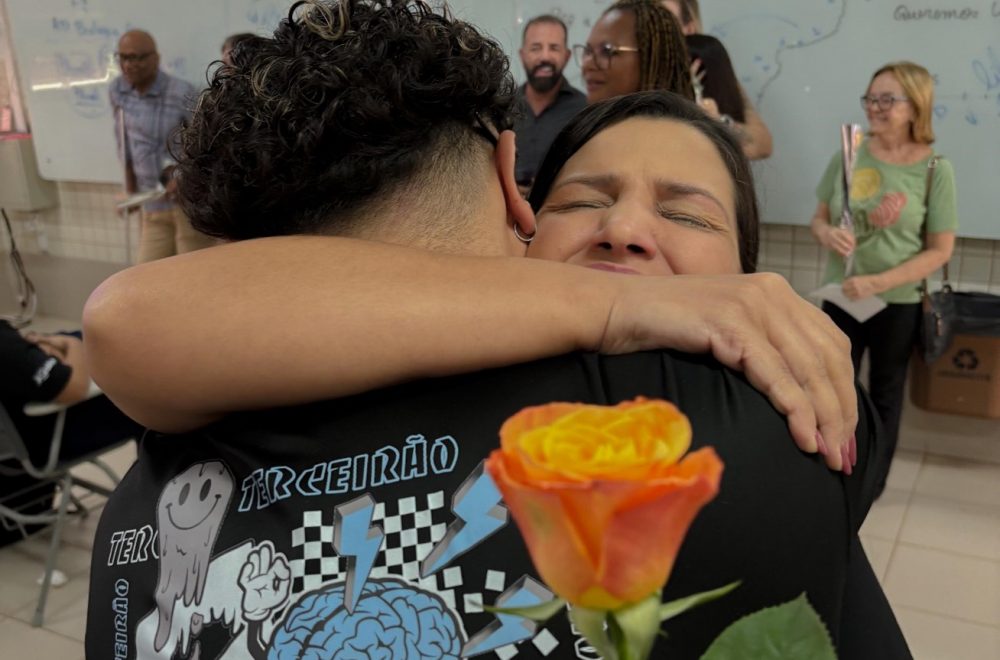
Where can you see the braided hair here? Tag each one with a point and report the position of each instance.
(663, 55)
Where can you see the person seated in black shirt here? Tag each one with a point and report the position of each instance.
(297, 531)
(42, 368)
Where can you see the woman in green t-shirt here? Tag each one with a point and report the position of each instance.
(889, 254)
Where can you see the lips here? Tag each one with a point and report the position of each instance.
(613, 268)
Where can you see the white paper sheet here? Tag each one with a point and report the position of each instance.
(139, 199)
(861, 310)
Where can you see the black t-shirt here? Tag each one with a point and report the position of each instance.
(253, 538)
(534, 135)
(27, 374)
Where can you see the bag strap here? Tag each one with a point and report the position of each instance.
(931, 165)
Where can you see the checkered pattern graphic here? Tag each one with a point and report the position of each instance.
(412, 527)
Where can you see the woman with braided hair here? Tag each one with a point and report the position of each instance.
(636, 46)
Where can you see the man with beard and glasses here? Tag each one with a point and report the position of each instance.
(547, 101)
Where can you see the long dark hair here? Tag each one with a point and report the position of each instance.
(720, 79)
(663, 105)
(663, 57)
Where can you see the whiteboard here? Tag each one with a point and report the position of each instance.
(65, 59)
(804, 62)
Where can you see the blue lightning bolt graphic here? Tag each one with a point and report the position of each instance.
(509, 628)
(480, 514)
(355, 538)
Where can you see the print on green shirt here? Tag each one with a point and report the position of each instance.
(887, 206)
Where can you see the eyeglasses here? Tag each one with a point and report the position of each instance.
(601, 55)
(132, 58)
(883, 102)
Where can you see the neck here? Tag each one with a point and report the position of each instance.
(538, 101)
(894, 143)
(439, 223)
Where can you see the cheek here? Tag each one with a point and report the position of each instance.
(558, 238)
(695, 253)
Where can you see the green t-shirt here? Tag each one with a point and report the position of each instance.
(887, 205)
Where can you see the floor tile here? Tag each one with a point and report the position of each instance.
(65, 611)
(20, 640)
(968, 481)
(953, 526)
(933, 637)
(886, 515)
(119, 460)
(79, 531)
(879, 552)
(905, 468)
(946, 584)
(22, 563)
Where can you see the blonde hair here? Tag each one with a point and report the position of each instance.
(918, 85)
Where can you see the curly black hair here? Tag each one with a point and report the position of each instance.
(345, 104)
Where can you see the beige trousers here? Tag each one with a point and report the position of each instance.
(169, 232)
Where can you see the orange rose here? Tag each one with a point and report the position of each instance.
(601, 495)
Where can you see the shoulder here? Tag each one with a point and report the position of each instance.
(117, 87)
(177, 86)
(944, 166)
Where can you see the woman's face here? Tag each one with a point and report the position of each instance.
(606, 78)
(895, 119)
(645, 196)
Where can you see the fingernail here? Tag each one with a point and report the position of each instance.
(853, 450)
(845, 455)
(820, 445)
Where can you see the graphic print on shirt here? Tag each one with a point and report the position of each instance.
(195, 587)
(367, 579)
(871, 209)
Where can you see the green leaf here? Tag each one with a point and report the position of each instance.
(681, 605)
(590, 624)
(639, 625)
(542, 612)
(786, 632)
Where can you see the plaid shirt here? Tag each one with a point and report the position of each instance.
(151, 120)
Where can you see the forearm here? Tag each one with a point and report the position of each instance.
(754, 133)
(318, 318)
(78, 386)
(913, 270)
(819, 225)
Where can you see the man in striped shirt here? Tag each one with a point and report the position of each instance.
(149, 106)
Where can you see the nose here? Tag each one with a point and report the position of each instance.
(626, 234)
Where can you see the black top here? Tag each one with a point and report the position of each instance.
(239, 541)
(28, 374)
(535, 134)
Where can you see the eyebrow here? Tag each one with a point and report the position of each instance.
(608, 182)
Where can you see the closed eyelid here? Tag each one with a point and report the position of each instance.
(671, 190)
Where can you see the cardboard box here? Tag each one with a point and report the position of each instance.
(963, 381)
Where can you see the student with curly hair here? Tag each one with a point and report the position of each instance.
(364, 525)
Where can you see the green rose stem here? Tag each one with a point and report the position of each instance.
(627, 633)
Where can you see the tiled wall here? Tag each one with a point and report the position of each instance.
(84, 225)
(793, 253)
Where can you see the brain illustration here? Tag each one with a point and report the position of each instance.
(392, 620)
